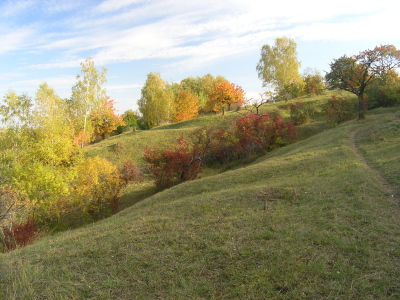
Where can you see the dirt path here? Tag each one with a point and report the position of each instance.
(386, 186)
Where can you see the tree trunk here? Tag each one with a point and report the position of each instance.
(362, 107)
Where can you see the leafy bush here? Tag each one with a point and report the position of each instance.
(300, 113)
(97, 187)
(131, 172)
(171, 167)
(339, 110)
(19, 234)
(314, 83)
(383, 95)
(291, 90)
(259, 134)
(251, 134)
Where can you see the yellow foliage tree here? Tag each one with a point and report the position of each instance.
(97, 187)
(186, 106)
(278, 66)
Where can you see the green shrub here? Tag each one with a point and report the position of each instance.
(300, 113)
(339, 110)
(383, 95)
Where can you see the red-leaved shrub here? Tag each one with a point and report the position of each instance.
(131, 172)
(249, 135)
(259, 134)
(171, 167)
(19, 234)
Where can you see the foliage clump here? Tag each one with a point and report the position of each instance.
(339, 110)
(18, 234)
(132, 172)
(300, 112)
(174, 166)
(250, 135)
(96, 187)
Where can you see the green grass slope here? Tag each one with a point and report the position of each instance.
(318, 219)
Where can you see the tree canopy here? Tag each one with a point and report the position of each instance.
(157, 101)
(88, 95)
(278, 65)
(225, 94)
(355, 73)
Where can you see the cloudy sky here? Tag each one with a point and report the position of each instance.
(45, 40)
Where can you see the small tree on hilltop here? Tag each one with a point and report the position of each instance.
(225, 94)
(279, 67)
(105, 120)
(355, 73)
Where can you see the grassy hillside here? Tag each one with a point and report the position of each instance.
(130, 145)
(318, 219)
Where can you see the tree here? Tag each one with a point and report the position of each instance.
(254, 105)
(201, 87)
(225, 94)
(278, 65)
(105, 120)
(54, 134)
(384, 91)
(13, 205)
(355, 73)
(186, 106)
(132, 120)
(314, 82)
(16, 110)
(156, 102)
(88, 95)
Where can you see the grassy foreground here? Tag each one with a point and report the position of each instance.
(308, 221)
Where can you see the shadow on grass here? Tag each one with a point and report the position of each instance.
(136, 192)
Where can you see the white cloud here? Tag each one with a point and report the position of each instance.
(13, 8)
(114, 5)
(62, 84)
(15, 39)
(194, 32)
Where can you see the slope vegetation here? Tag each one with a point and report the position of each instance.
(312, 220)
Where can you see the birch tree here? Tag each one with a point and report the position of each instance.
(278, 66)
(157, 101)
(87, 96)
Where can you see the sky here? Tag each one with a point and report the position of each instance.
(46, 40)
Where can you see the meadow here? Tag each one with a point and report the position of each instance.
(317, 219)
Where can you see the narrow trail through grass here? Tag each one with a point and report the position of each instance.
(386, 186)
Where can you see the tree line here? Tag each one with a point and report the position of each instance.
(370, 75)
(163, 102)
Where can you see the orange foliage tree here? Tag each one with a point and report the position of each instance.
(225, 94)
(186, 106)
(105, 120)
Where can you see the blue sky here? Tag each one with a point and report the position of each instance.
(45, 40)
